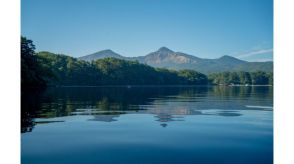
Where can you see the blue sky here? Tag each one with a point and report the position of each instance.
(204, 28)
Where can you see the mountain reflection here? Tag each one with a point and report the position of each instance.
(105, 118)
(167, 104)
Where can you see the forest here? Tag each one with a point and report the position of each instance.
(241, 78)
(48, 69)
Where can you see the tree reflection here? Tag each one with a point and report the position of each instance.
(30, 105)
(106, 104)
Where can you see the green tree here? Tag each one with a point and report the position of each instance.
(30, 75)
(270, 78)
(234, 78)
(259, 78)
(245, 77)
(193, 77)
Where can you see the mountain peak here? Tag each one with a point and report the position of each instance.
(106, 51)
(164, 49)
(228, 57)
(225, 56)
(101, 54)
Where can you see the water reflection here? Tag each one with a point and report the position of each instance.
(30, 104)
(105, 118)
(165, 103)
(229, 113)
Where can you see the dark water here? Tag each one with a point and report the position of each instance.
(142, 125)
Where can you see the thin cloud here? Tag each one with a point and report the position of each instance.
(253, 53)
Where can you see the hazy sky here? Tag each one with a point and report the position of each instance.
(204, 28)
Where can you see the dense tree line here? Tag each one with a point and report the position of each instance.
(32, 72)
(45, 68)
(241, 78)
(111, 71)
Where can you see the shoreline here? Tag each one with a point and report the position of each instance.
(134, 86)
(163, 86)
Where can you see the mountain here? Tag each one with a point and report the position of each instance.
(167, 58)
(101, 55)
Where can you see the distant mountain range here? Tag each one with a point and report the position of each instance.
(166, 58)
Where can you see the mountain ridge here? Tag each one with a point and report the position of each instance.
(167, 58)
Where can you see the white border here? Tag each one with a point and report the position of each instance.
(10, 81)
(283, 81)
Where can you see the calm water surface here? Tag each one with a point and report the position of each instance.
(143, 125)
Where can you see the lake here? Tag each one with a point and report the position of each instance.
(147, 124)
